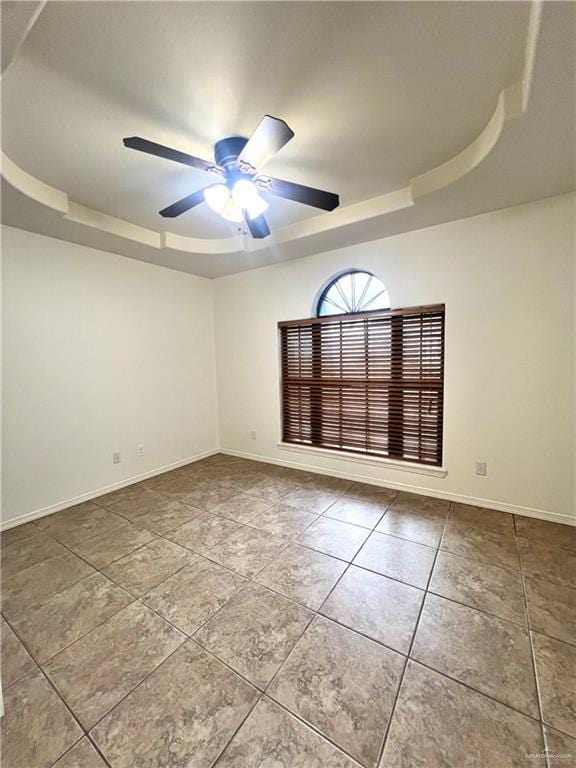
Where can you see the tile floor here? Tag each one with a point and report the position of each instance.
(242, 615)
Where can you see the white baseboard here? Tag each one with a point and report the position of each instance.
(501, 506)
(447, 495)
(5, 525)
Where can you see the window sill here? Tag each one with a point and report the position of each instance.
(374, 461)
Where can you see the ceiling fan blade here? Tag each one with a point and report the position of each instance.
(258, 227)
(143, 145)
(191, 201)
(327, 201)
(270, 136)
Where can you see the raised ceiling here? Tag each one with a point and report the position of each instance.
(378, 94)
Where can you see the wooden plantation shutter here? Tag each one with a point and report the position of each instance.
(370, 383)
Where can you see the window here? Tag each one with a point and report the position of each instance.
(366, 382)
(354, 291)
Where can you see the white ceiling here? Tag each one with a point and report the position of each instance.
(377, 94)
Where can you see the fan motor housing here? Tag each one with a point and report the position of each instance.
(227, 150)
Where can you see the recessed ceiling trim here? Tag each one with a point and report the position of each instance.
(512, 103)
(80, 214)
(509, 106)
(32, 187)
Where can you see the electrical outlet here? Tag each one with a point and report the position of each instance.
(481, 468)
(116, 457)
(252, 434)
(140, 450)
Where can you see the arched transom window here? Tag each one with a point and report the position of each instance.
(354, 291)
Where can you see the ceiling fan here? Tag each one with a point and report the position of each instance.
(238, 161)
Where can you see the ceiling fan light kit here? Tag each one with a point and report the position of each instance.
(238, 160)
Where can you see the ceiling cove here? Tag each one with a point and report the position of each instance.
(512, 103)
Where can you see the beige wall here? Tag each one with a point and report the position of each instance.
(104, 353)
(101, 354)
(507, 279)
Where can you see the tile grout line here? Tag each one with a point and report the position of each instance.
(532, 652)
(425, 592)
(409, 652)
(293, 542)
(244, 719)
(87, 738)
(316, 612)
(262, 692)
(475, 690)
(315, 729)
(87, 632)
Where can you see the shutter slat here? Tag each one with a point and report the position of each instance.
(370, 383)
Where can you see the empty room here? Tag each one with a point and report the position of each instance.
(288, 384)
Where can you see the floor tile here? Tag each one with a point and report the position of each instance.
(193, 594)
(221, 472)
(208, 498)
(397, 558)
(15, 661)
(374, 492)
(105, 548)
(273, 738)
(141, 501)
(121, 493)
(364, 512)
(556, 671)
(311, 499)
(98, 670)
(82, 755)
(334, 538)
(383, 609)
(483, 545)
(78, 523)
(486, 519)
(547, 533)
(163, 521)
(148, 566)
(548, 563)
(240, 507)
(327, 484)
(22, 554)
(552, 609)
(288, 473)
(420, 527)
(154, 483)
(490, 655)
(243, 482)
(479, 585)
(248, 550)
(177, 488)
(36, 728)
(283, 520)
(302, 575)
(424, 505)
(66, 518)
(343, 684)
(182, 715)
(37, 583)
(439, 723)
(562, 748)
(159, 698)
(272, 489)
(203, 532)
(66, 616)
(18, 533)
(254, 632)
